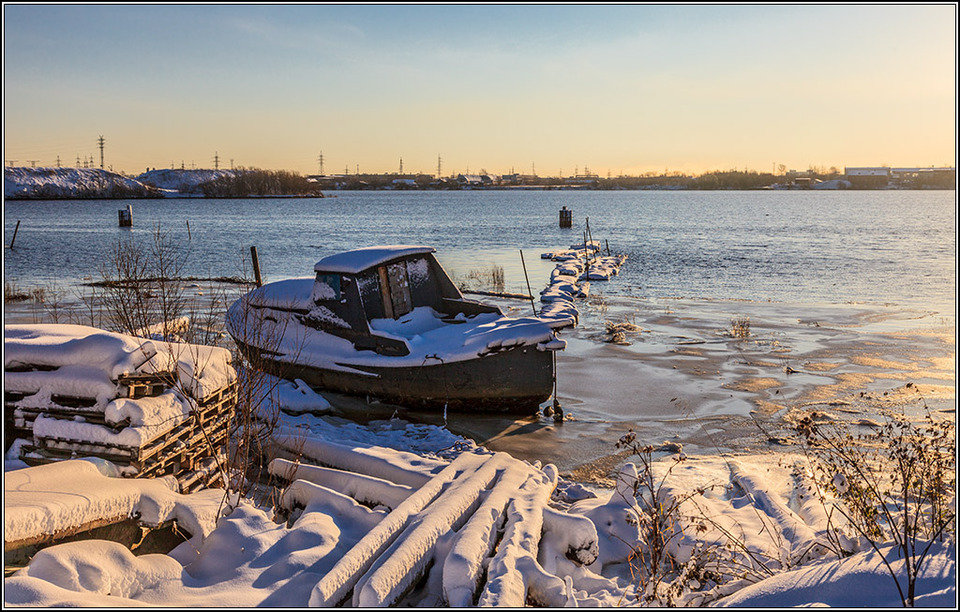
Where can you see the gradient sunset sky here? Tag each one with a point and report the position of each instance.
(625, 89)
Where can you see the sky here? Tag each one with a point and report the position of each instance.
(618, 89)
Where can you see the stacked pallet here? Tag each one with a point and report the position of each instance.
(152, 408)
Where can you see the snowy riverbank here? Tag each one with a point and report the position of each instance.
(259, 554)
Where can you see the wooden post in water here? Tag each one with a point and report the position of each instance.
(15, 230)
(256, 266)
(189, 237)
(125, 216)
(529, 292)
(608, 245)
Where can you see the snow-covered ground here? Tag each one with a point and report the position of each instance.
(181, 181)
(58, 183)
(338, 534)
(39, 183)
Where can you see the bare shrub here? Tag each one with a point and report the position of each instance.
(896, 486)
(13, 293)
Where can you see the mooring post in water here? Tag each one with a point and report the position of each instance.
(608, 245)
(590, 235)
(126, 216)
(529, 292)
(256, 266)
(15, 230)
(189, 237)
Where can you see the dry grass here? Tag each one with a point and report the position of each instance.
(740, 326)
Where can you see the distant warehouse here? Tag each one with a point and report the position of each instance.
(885, 176)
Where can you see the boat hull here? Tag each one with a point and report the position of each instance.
(513, 380)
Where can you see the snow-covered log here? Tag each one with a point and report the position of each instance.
(401, 565)
(463, 567)
(506, 584)
(396, 466)
(314, 496)
(338, 582)
(364, 489)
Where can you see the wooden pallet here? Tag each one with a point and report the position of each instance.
(185, 450)
(135, 386)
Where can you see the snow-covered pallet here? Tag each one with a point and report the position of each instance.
(152, 408)
(69, 500)
(476, 531)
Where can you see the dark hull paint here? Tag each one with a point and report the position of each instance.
(514, 380)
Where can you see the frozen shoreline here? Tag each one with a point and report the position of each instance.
(723, 385)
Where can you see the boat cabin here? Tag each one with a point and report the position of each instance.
(383, 282)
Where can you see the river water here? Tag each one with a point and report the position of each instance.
(807, 246)
(850, 298)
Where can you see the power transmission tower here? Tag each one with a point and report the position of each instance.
(320, 161)
(231, 163)
(401, 164)
(533, 168)
(358, 169)
(78, 161)
(33, 162)
(216, 160)
(439, 166)
(10, 162)
(100, 142)
(58, 161)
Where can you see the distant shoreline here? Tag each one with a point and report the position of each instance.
(190, 196)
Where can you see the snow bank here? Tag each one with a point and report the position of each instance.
(55, 183)
(860, 581)
(249, 560)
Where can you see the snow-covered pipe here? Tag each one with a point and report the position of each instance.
(400, 567)
(307, 494)
(396, 466)
(365, 489)
(463, 567)
(335, 585)
(506, 584)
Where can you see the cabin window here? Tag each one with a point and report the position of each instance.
(395, 289)
(326, 287)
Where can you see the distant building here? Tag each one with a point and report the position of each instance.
(903, 177)
(477, 180)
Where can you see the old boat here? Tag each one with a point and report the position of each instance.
(388, 322)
